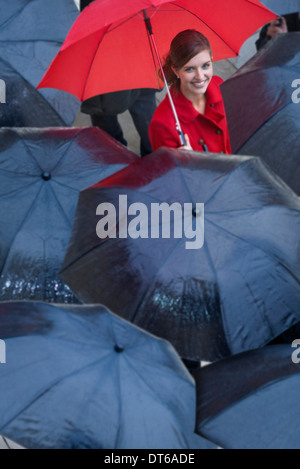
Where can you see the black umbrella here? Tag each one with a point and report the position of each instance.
(251, 400)
(41, 174)
(80, 377)
(31, 33)
(237, 292)
(263, 118)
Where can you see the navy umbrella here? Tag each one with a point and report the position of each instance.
(237, 291)
(79, 377)
(41, 174)
(31, 33)
(251, 400)
(263, 118)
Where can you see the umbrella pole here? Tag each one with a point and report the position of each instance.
(152, 39)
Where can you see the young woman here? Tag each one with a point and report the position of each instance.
(197, 98)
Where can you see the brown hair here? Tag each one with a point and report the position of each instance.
(183, 48)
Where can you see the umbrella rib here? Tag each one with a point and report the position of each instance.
(153, 57)
(126, 20)
(11, 18)
(108, 30)
(91, 63)
(280, 262)
(20, 227)
(119, 407)
(5, 442)
(60, 206)
(208, 26)
(33, 88)
(147, 287)
(55, 383)
(69, 144)
(65, 185)
(224, 322)
(28, 152)
(262, 125)
(15, 191)
(226, 178)
(73, 262)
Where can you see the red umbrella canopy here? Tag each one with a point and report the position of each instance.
(108, 47)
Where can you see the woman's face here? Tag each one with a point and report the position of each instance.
(196, 75)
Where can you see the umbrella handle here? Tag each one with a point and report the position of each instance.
(151, 35)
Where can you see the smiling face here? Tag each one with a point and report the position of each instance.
(195, 75)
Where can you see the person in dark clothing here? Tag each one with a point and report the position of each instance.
(104, 110)
(283, 24)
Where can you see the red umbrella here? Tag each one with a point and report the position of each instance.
(111, 45)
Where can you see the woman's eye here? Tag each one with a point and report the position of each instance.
(206, 65)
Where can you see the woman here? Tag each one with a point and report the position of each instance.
(197, 98)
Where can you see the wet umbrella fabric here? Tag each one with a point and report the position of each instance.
(95, 52)
(237, 292)
(99, 382)
(31, 33)
(282, 7)
(263, 119)
(251, 400)
(41, 174)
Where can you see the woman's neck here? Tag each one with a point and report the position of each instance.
(199, 102)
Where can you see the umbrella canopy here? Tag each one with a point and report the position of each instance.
(251, 400)
(282, 7)
(31, 33)
(99, 382)
(96, 52)
(41, 174)
(263, 119)
(236, 292)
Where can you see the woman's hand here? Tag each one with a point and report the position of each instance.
(277, 28)
(188, 144)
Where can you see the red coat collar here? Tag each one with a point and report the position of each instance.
(214, 105)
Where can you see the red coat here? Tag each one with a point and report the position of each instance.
(209, 129)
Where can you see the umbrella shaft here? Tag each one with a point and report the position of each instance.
(151, 35)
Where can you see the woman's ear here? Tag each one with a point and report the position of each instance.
(174, 70)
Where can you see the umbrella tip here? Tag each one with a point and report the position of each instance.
(119, 349)
(196, 212)
(46, 176)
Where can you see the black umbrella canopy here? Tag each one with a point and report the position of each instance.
(263, 118)
(251, 400)
(41, 174)
(236, 292)
(98, 382)
(31, 33)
